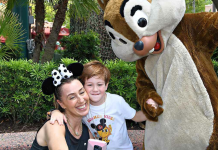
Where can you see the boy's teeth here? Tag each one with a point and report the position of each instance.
(82, 106)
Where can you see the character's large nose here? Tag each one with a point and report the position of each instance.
(139, 45)
(144, 45)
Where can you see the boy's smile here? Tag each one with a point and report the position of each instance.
(96, 88)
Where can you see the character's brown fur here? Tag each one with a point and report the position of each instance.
(192, 28)
(203, 27)
(121, 27)
(199, 34)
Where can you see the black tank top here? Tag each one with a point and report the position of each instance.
(72, 142)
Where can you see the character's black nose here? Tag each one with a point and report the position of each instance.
(139, 45)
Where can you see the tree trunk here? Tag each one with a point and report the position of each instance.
(40, 17)
(193, 5)
(58, 22)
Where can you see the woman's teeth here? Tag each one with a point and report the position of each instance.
(81, 107)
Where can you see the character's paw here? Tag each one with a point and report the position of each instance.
(152, 103)
(152, 108)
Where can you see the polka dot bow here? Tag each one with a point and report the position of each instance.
(62, 73)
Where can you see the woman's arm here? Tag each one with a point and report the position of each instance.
(55, 136)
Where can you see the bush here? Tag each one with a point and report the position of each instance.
(21, 97)
(7, 53)
(215, 55)
(215, 64)
(122, 82)
(22, 100)
(81, 46)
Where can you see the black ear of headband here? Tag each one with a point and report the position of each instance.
(76, 69)
(48, 86)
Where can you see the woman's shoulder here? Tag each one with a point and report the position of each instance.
(54, 127)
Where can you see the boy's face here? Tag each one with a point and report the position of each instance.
(96, 88)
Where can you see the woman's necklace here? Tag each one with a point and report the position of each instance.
(76, 133)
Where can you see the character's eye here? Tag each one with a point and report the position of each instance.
(121, 40)
(142, 22)
(137, 15)
(111, 35)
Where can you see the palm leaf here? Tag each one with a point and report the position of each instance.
(82, 8)
(11, 29)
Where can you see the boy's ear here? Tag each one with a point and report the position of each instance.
(106, 86)
(103, 3)
(61, 104)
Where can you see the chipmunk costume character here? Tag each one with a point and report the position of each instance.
(173, 52)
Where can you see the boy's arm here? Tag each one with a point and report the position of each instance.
(56, 115)
(139, 117)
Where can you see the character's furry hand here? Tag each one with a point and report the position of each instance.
(152, 108)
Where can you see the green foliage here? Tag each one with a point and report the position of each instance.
(215, 64)
(199, 5)
(6, 53)
(81, 46)
(82, 8)
(22, 100)
(76, 8)
(10, 29)
(215, 55)
(123, 78)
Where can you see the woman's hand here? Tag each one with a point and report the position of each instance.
(56, 115)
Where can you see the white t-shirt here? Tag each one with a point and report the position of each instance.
(107, 122)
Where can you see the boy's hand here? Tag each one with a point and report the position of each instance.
(57, 115)
(152, 108)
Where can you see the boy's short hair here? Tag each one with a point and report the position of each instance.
(95, 68)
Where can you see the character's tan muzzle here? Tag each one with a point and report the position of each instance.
(149, 44)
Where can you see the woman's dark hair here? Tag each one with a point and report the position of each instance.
(58, 92)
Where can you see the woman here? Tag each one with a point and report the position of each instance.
(74, 102)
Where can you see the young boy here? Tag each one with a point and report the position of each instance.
(107, 114)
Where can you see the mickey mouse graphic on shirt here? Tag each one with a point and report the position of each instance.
(103, 130)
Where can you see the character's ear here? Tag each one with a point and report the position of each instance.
(103, 3)
(103, 121)
(76, 69)
(93, 126)
(48, 86)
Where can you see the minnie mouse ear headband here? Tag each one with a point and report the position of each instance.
(72, 70)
